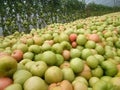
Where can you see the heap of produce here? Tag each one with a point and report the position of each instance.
(80, 55)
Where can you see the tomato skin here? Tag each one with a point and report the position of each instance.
(66, 54)
(18, 55)
(63, 85)
(74, 44)
(4, 82)
(72, 37)
(93, 37)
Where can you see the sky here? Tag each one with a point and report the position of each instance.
(105, 2)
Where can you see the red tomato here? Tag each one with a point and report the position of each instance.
(72, 37)
(4, 82)
(17, 54)
(74, 44)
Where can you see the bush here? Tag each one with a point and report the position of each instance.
(23, 15)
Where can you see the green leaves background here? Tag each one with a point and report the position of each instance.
(22, 15)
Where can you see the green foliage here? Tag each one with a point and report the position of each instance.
(98, 9)
(22, 15)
